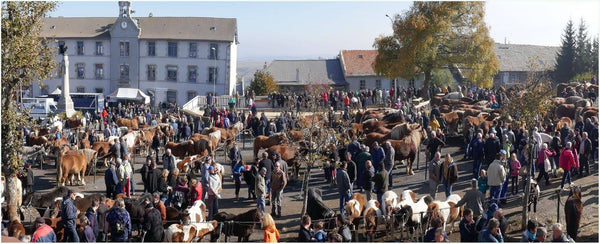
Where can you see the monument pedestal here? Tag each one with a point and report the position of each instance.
(65, 104)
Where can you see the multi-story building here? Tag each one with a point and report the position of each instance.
(173, 59)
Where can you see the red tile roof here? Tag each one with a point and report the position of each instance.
(359, 62)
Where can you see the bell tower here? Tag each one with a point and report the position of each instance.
(124, 9)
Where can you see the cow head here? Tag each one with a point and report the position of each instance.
(371, 221)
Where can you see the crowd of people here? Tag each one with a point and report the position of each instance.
(497, 158)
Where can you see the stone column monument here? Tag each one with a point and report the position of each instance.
(65, 104)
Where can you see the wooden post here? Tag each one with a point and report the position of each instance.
(558, 206)
(525, 213)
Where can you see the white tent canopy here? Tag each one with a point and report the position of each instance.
(56, 92)
(129, 94)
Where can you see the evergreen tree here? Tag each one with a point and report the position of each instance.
(583, 52)
(595, 56)
(263, 83)
(565, 60)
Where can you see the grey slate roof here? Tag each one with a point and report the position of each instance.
(180, 28)
(303, 72)
(516, 57)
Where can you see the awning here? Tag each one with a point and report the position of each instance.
(129, 94)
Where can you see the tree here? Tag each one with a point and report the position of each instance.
(263, 83)
(442, 78)
(583, 50)
(595, 56)
(565, 60)
(434, 35)
(25, 59)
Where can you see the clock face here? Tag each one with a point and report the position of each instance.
(124, 24)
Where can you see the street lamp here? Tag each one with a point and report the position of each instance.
(214, 51)
(395, 81)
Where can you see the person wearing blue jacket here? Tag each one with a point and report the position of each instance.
(377, 154)
(43, 232)
(69, 217)
(492, 233)
(477, 154)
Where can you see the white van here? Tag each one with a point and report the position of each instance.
(39, 108)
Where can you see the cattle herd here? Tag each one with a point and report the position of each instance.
(83, 147)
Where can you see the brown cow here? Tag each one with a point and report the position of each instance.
(297, 135)
(376, 137)
(371, 124)
(565, 110)
(213, 138)
(266, 142)
(228, 135)
(372, 215)
(129, 123)
(180, 150)
(452, 119)
(16, 229)
(103, 149)
(189, 232)
(37, 140)
(188, 163)
(288, 154)
(74, 123)
(561, 123)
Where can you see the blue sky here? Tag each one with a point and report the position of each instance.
(316, 29)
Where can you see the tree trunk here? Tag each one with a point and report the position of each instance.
(428, 77)
(525, 213)
(15, 196)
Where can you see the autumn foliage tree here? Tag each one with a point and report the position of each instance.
(434, 35)
(25, 59)
(263, 83)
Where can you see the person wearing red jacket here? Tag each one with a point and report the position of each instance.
(567, 160)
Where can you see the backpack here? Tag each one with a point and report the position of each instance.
(120, 223)
(178, 199)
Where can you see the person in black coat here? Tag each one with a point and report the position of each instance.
(367, 179)
(352, 170)
(304, 233)
(152, 179)
(111, 180)
(146, 169)
(468, 233)
(152, 224)
(30, 178)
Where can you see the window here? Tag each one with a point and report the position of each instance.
(80, 89)
(213, 51)
(212, 75)
(378, 84)
(172, 73)
(79, 48)
(99, 72)
(99, 49)
(191, 95)
(192, 73)
(513, 77)
(172, 52)
(124, 49)
(61, 43)
(151, 48)
(172, 96)
(124, 71)
(99, 90)
(193, 49)
(363, 84)
(80, 68)
(151, 72)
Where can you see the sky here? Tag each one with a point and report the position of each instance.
(317, 29)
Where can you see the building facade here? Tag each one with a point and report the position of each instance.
(360, 75)
(172, 59)
(515, 61)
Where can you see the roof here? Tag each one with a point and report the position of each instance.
(182, 28)
(129, 94)
(517, 57)
(359, 62)
(303, 72)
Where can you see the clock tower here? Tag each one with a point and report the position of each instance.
(124, 46)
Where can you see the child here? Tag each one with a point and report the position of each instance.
(320, 235)
(482, 182)
(271, 234)
(515, 167)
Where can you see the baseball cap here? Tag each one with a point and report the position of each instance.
(211, 168)
(502, 152)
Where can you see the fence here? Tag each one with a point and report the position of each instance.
(198, 103)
